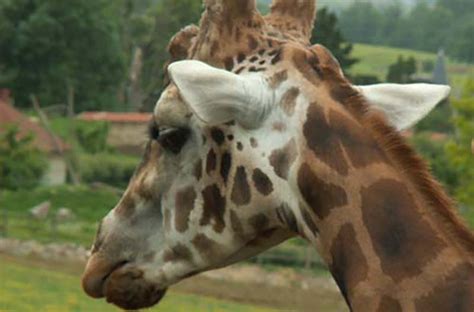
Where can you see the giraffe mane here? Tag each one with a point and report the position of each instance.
(402, 155)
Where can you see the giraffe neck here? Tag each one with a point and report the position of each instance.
(382, 239)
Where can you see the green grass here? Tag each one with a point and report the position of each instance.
(375, 60)
(86, 203)
(27, 289)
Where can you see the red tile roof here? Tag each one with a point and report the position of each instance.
(42, 140)
(116, 117)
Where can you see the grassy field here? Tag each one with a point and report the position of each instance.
(24, 288)
(88, 205)
(375, 60)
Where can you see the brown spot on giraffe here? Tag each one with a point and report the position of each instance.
(211, 161)
(241, 189)
(213, 208)
(388, 304)
(322, 197)
(349, 266)
(397, 229)
(323, 141)
(262, 183)
(308, 220)
(286, 216)
(239, 70)
(206, 247)
(278, 78)
(252, 42)
(184, 205)
(279, 126)
(229, 63)
(288, 100)
(178, 252)
(167, 219)
(259, 222)
(253, 142)
(240, 57)
(361, 148)
(226, 163)
(454, 293)
(217, 136)
(282, 159)
(240, 146)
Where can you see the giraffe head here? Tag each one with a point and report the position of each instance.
(217, 183)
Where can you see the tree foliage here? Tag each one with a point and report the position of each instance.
(49, 46)
(326, 31)
(448, 24)
(21, 164)
(150, 30)
(402, 70)
(459, 150)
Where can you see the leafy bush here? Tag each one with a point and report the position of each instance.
(438, 120)
(435, 153)
(459, 150)
(21, 164)
(92, 136)
(112, 169)
(85, 136)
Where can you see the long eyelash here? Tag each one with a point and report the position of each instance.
(153, 132)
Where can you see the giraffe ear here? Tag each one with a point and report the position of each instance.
(217, 96)
(405, 105)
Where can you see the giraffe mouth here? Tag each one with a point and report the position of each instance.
(121, 284)
(96, 275)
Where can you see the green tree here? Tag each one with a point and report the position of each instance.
(402, 70)
(48, 47)
(151, 33)
(327, 32)
(21, 164)
(359, 22)
(459, 150)
(458, 7)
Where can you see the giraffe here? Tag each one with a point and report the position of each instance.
(258, 138)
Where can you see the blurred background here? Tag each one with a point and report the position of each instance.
(77, 82)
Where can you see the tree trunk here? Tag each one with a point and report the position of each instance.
(70, 100)
(136, 93)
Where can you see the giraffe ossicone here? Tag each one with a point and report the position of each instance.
(258, 138)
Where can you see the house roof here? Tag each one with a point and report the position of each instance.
(42, 139)
(116, 117)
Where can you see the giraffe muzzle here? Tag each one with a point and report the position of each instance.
(120, 283)
(96, 273)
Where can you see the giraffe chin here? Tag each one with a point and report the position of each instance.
(129, 290)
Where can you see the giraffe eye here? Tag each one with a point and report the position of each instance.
(173, 139)
(153, 131)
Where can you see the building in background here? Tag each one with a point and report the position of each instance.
(440, 75)
(127, 131)
(46, 142)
